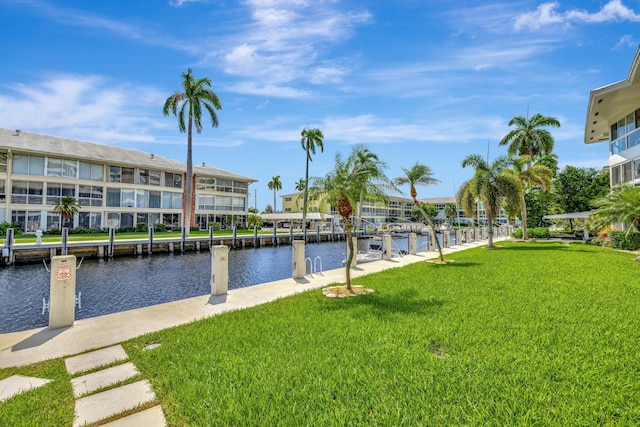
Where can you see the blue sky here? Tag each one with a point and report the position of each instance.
(429, 81)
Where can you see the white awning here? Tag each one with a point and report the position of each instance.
(574, 215)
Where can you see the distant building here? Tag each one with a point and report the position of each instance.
(398, 209)
(613, 115)
(115, 187)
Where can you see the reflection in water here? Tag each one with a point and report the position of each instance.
(124, 284)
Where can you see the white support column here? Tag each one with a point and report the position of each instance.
(219, 269)
(298, 266)
(387, 249)
(62, 297)
(413, 243)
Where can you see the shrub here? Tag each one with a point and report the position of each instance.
(141, 226)
(160, 227)
(17, 228)
(194, 228)
(216, 226)
(80, 230)
(532, 233)
(625, 241)
(596, 241)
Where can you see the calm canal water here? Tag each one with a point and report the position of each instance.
(124, 284)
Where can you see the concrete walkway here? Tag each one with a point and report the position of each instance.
(26, 347)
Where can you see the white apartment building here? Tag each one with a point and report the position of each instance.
(115, 187)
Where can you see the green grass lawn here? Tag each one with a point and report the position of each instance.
(531, 334)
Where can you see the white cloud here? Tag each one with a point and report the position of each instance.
(180, 3)
(626, 41)
(284, 44)
(547, 14)
(83, 107)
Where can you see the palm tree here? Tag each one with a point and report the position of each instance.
(621, 205)
(361, 175)
(420, 174)
(451, 211)
(195, 95)
(491, 184)
(310, 139)
(537, 175)
(529, 137)
(301, 184)
(66, 207)
(275, 184)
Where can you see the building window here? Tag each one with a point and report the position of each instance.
(142, 197)
(90, 195)
(223, 203)
(90, 219)
(62, 168)
(28, 165)
(121, 174)
(26, 192)
(154, 178)
(240, 187)
(171, 200)
(287, 199)
(113, 198)
(91, 171)
(3, 194)
(128, 199)
(143, 176)
(224, 185)
(238, 203)
(627, 172)
(29, 220)
(56, 191)
(205, 183)
(3, 162)
(615, 176)
(155, 199)
(173, 180)
(206, 203)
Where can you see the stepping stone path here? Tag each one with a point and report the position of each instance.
(92, 406)
(17, 384)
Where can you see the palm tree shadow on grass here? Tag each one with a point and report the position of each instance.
(404, 302)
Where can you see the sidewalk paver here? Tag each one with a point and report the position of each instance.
(103, 405)
(152, 417)
(85, 362)
(104, 378)
(17, 384)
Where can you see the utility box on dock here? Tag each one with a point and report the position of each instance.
(413, 244)
(219, 270)
(62, 302)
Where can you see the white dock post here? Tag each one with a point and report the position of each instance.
(219, 269)
(413, 243)
(298, 266)
(386, 247)
(62, 299)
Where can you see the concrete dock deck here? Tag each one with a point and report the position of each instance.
(30, 346)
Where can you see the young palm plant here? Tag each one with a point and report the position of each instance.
(67, 207)
(359, 176)
(420, 174)
(620, 206)
(195, 95)
(491, 184)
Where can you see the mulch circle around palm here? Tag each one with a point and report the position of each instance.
(343, 292)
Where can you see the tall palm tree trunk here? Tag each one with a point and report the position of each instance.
(305, 199)
(523, 213)
(188, 185)
(490, 225)
(430, 224)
